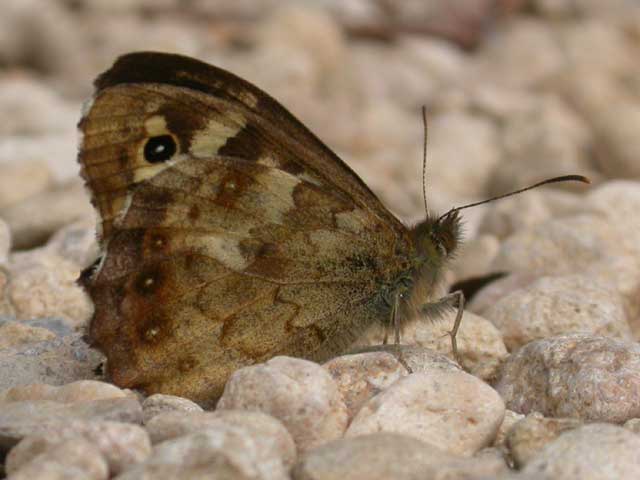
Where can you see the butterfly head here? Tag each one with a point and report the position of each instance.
(437, 238)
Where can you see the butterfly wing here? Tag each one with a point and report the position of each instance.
(229, 232)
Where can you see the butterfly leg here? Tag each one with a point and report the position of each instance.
(395, 322)
(452, 300)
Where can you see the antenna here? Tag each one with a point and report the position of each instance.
(564, 178)
(424, 160)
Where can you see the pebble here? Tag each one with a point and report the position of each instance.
(35, 219)
(121, 444)
(510, 419)
(80, 391)
(451, 409)
(633, 425)
(576, 375)
(5, 242)
(270, 435)
(618, 141)
(75, 242)
(299, 393)
(619, 201)
(529, 435)
(361, 376)
(382, 456)
(522, 53)
(44, 285)
(55, 150)
(16, 334)
(519, 213)
(39, 417)
(56, 362)
(21, 180)
(499, 288)
(551, 136)
(590, 452)
(558, 246)
(160, 403)
(563, 9)
(226, 452)
(463, 150)
(73, 459)
(552, 306)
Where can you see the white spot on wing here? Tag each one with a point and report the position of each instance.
(226, 250)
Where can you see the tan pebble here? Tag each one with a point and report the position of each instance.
(44, 285)
(15, 334)
(510, 419)
(299, 393)
(80, 391)
(73, 459)
(590, 452)
(121, 444)
(226, 452)
(35, 219)
(529, 435)
(575, 375)
(362, 376)
(271, 437)
(555, 305)
(161, 403)
(382, 456)
(451, 409)
(20, 180)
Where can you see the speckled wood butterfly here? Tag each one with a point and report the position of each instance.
(230, 233)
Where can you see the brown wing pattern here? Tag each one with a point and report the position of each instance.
(252, 240)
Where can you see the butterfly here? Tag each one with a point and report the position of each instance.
(229, 233)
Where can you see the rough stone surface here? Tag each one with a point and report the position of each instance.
(34, 220)
(44, 285)
(227, 453)
(299, 393)
(590, 452)
(121, 444)
(558, 246)
(16, 334)
(382, 456)
(80, 391)
(5, 241)
(633, 425)
(56, 362)
(531, 434)
(160, 403)
(20, 180)
(39, 417)
(73, 459)
(556, 305)
(75, 242)
(460, 421)
(511, 418)
(270, 435)
(576, 375)
(361, 376)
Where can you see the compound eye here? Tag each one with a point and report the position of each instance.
(159, 149)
